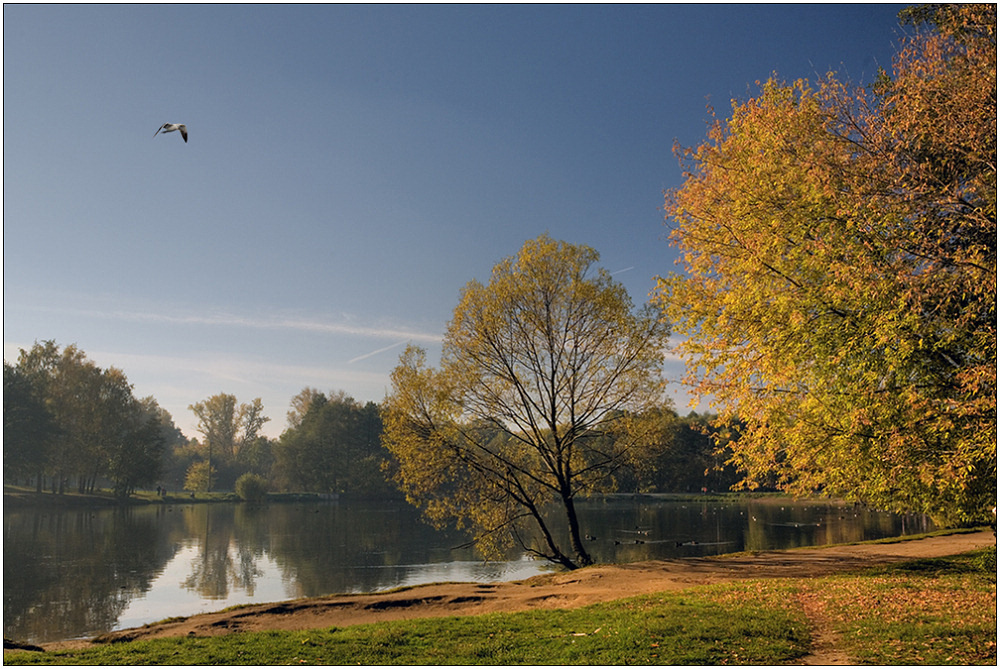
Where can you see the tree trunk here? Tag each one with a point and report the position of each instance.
(555, 554)
(582, 556)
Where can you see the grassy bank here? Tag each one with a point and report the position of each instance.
(24, 497)
(940, 611)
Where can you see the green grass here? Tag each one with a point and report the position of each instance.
(21, 497)
(24, 496)
(939, 611)
(696, 628)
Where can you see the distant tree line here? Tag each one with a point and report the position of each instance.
(689, 454)
(333, 445)
(71, 426)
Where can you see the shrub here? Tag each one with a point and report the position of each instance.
(251, 487)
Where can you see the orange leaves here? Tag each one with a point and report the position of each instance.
(903, 619)
(839, 293)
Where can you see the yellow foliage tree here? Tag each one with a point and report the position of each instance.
(839, 293)
(542, 371)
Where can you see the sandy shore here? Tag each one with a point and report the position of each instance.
(560, 590)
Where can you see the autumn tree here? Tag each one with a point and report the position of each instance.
(227, 428)
(98, 430)
(332, 445)
(135, 450)
(29, 428)
(839, 285)
(541, 372)
(70, 386)
(299, 405)
(199, 476)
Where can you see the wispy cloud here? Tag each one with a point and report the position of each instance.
(180, 374)
(236, 369)
(222, 319)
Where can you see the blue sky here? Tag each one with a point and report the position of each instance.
(349, 168)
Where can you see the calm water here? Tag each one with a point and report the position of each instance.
(71, 574)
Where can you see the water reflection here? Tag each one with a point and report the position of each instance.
(630, 530)
(76, 571)
(71, 574)
(229, 551)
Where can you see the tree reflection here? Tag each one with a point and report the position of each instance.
(227, 560)
(71, 574)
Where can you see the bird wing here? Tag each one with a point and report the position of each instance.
(184, 132)
(159, 129)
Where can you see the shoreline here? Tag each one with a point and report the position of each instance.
(26, 497)
(572, 589)
(30, 499)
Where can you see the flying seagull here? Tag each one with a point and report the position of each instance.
(170, 127)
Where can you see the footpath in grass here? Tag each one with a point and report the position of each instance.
(931, 612)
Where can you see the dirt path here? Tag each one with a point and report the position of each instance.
(825, 641)
(560, 590)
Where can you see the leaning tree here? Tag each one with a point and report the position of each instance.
(543, 373)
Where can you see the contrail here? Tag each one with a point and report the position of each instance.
(381, 350)
(623, 270)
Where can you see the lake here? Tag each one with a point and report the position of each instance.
(79, 573)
